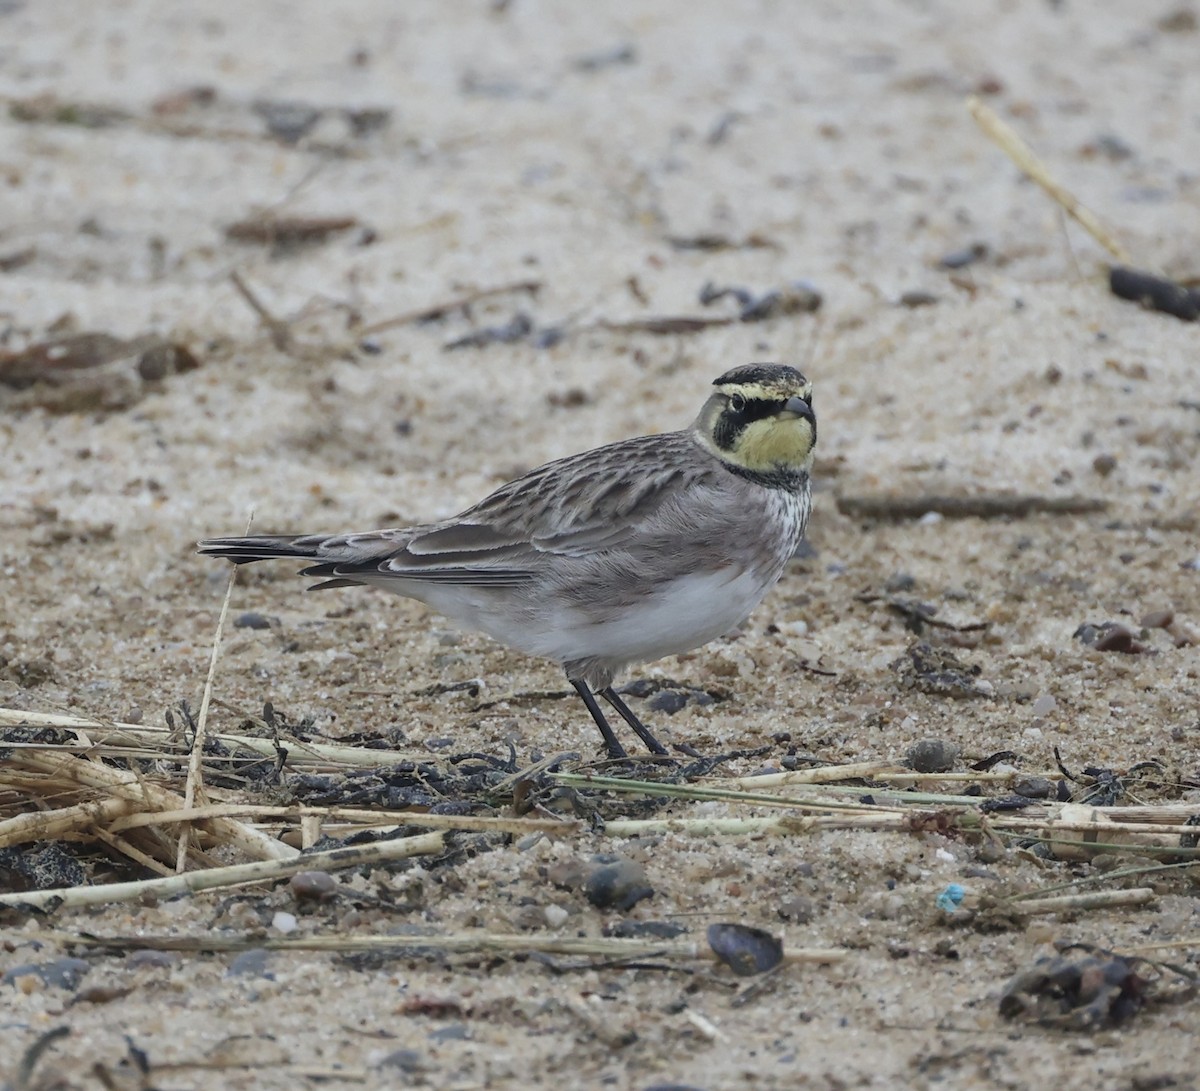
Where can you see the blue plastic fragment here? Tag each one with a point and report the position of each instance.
(951, 898)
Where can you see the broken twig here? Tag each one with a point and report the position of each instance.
(983, 506)
(425, 844)
(281, 336)
(1021, 154)
(434, 311)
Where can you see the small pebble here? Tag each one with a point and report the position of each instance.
(27, 983)
(153, 364)
(1086, 633)
(406, 1060)
(567, 874)
(101, 994)
(899, 581)
(62, 973)
(968, 255)
(669, 701)
(1104, 464)
(794, 629)
(974, 871)
(1183, 20)
(251, 620)
(616, 882)
(800, 910)
(1157, 619)
(1044, 704)
(160, 960)
(252, 963)
(287, 121)
(743, 949)
(1184, 634)
(989, 852)
(556, 915)
(528, 918)
(917, 298)
(133, 715)
(284, 922)
(1033, 787)
(645, 930)
(932, 756)
(1118, 638)
(312, 886)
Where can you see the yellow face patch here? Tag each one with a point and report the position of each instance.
(774, 443)
(748, 423)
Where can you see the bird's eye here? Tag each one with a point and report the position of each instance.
(737, 403)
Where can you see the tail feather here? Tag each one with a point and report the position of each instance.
(261, 547)
(270, 547)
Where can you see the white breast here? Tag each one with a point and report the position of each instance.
(680, 615)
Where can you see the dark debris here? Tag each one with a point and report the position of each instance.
(1086, 988)
(937, 671)
(1155, 293)
(94, 370)
(1111, 636)
(288, 233)
(917, 614)
(517, 328)
(665, 695)
(40, 866)
(799, 297)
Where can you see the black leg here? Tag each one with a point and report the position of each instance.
(626, 714)
(615, 749)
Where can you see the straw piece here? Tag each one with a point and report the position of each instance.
(62, 823)
(1021, 154)
(471, 942)
(193, 789)
(236, 875)
(130, 785)
(132, 851)
(362, 816)
(299, 753)
(694, 792)
(1180, 943)
(821, 774)
(1096, 899)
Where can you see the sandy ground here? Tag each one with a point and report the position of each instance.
(568, 145)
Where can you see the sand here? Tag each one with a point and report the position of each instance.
(622, 156)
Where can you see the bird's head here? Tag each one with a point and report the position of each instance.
(760, 421)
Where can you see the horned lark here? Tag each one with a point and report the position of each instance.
(640, 549)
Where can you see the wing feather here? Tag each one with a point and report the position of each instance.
(575, 507)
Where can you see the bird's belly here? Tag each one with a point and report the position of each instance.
(677, 616)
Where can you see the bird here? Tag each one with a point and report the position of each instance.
(623, 554)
